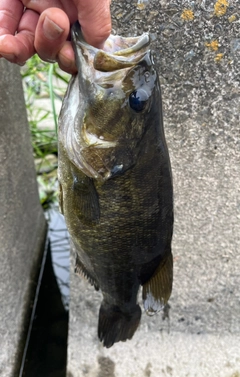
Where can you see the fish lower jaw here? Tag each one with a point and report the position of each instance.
(92, 140)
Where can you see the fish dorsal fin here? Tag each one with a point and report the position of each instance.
(157, 290)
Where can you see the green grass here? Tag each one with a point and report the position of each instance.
(44, 87)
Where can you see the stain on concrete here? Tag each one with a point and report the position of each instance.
(213, 45)
(106, 367)
(148, 370)
(218, 57)
(169, 370)
(232, 18)
(86, 369)
(236, 374)
(220, 7)
(187, 15)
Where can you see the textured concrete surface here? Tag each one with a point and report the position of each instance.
(22, 224)
(197, 51)
(179, 347)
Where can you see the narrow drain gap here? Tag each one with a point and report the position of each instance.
(46, 354)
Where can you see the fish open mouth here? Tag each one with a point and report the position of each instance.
(118, 52)
(120, 46)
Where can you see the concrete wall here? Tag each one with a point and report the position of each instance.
(197, 52)
(22, 222)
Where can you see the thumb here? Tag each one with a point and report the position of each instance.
(95, 20)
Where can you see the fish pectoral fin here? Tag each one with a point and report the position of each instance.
(80, 269)
(85, 200)
(157, 290)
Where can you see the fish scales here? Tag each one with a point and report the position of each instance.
(115, 180)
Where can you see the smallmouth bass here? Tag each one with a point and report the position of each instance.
(115, 180)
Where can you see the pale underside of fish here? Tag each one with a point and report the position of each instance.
(115, 180)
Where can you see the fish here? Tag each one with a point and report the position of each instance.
(115, 180)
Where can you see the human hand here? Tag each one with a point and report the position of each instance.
(43, 26)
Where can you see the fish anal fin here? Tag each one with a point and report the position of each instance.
(80, 269)
(157, 290)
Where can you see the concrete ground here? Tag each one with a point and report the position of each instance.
(200, 338)
(22, 223)
(198, 58)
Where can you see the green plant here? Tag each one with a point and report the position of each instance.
(44, 86)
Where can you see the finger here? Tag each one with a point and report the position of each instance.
(95, 19)
(51, 33)
(41, 5)
(20, 47)
(10, 15)
(66, 58)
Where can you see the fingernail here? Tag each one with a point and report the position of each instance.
(51, 30)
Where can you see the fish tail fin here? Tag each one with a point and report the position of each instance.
(157, 290)
(115, 325)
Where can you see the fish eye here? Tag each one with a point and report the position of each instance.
(138, 100)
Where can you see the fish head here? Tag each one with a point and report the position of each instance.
(112, 98)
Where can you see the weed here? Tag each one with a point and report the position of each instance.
(44, 86)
